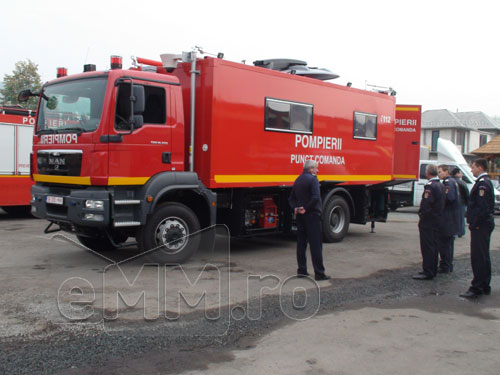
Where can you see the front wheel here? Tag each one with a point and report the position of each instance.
(335, 217)
(170, 235)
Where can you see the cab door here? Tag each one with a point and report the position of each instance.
(138, 154)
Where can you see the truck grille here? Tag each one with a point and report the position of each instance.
(59, 162)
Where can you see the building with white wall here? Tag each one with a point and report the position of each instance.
(468, 130)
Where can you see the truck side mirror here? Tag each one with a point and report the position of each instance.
(139, 99)
(24, 95)
(138, 121)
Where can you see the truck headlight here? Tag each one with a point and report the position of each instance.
(94, 205)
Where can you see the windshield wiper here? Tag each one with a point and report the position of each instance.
(69, 130)
(46, 131)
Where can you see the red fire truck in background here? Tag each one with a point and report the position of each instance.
(158, 151)
(16, 136)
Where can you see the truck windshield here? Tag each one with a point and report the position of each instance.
(72, 106)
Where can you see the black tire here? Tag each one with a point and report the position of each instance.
(18, 211)
(393, 206)
(167, 237)
(97, 244)
(335, 219)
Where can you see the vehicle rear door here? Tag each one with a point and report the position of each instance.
(407, 142)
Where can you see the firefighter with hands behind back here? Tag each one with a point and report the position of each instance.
(430, 218)
(450, 226)
(481, 223)
(305, 200)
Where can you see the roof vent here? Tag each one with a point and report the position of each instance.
(297, 67)
(278, 64)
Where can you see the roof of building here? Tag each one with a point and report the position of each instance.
(490, 148)
(478, 120)
(445, 119)
(441, 119)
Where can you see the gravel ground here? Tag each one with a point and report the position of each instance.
(160, 347)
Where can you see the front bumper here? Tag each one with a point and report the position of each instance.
(65, 205)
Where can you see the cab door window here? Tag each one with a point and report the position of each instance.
(155, 111)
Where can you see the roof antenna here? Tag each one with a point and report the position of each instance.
(87, 55)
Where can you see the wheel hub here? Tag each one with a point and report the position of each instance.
(172, 234)
(336, 219)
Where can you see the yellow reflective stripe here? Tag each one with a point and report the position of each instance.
(14, 176)
(354, 177)
(236, 178)
(225, 179)
(405, 176)
(86, 180)
(408, 109)
(62, 179)
(127, 180)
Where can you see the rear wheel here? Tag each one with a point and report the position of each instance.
(335, 218)
(167, 236)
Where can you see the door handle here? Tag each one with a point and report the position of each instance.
(166, 157)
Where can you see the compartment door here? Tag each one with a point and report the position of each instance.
(407, 142)
(8, 152)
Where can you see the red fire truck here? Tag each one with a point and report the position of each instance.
(160, 150)
(16, 136)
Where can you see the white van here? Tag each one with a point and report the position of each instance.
(410, 193)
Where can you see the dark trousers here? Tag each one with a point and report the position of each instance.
(309, 230)
(480, 257)
(429, 236)
(461, 233)
(446, 250)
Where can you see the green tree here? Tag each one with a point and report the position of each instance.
(24, 76)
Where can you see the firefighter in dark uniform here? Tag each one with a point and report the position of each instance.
(430, 214)
(450, 226)
(456, 173)
(305, 200)
(481, 223)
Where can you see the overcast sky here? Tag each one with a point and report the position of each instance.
(440, 53)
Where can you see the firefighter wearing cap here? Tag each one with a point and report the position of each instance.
(481, 223)
(430, 214)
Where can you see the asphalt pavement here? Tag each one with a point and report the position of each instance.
(370, 318)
